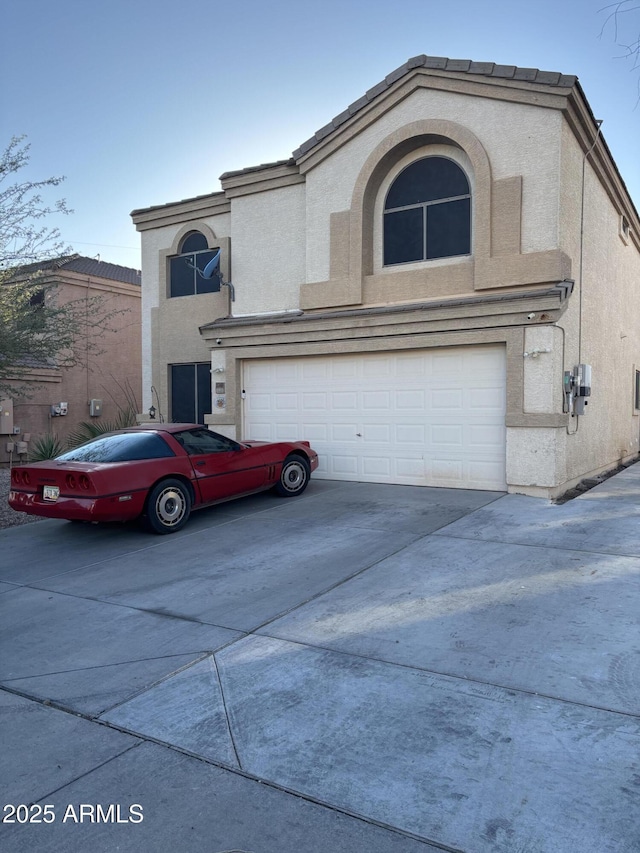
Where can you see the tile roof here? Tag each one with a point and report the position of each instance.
(439, 63)
(84, 266)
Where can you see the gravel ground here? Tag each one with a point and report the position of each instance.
(9, 518)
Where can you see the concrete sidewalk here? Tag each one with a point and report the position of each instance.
(366, 668)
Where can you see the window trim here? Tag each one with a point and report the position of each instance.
(624, 229)
(209, 250)
(224, 243)
(424, 206)
(196, 399)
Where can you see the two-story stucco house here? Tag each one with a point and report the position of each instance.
(414, 290)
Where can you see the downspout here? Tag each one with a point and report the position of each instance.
(581, 254)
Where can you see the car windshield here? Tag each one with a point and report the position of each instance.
(122, 447)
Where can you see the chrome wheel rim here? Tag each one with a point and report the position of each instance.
(170, 506)
(294, 476)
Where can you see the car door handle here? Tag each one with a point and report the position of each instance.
(201, 463)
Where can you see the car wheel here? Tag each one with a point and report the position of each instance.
(294, 477)
(168, 506)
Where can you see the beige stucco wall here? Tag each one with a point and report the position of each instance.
(268, 247)
(520, 140)
(300, 244)
(603, 328)
(170, 326)
(600, 327)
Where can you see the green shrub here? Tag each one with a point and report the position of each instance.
(45, 447)
(86, 430)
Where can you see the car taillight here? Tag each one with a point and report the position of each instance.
(84, 482)
(20, 477)
(70, 480)
(15, 477)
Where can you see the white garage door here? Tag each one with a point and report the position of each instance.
(429, 417)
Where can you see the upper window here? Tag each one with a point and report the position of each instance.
(427, 213)
(185, 270)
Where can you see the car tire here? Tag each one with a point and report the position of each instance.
(294, 477)
(168, 506)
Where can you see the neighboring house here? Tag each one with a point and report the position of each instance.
(110, 373)
(410, 288)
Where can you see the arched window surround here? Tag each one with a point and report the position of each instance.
(213, 241)
(186, 266)
(439, 150)
(384, 160)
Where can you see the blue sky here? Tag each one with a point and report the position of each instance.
(143, 102)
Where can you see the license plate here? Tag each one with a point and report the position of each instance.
(50, 493)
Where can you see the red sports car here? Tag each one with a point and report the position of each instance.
(160, 472)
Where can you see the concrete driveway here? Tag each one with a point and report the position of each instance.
(367, 669)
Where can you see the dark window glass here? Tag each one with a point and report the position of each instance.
(181, 276)
(123, 447)
(427, 213)
(427, 180)
(194, 242)
(637, 389)
(404, 236)
(197, 441)
(448, 229)
(206, 285)
(190, 392)
(185, 269)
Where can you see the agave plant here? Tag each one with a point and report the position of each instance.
(86, 430)
(45, 447)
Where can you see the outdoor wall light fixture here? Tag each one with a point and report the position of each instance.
(152, 413)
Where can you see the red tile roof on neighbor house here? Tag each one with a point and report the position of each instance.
(84, 266)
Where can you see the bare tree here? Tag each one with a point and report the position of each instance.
(622, 19)
(37, 327)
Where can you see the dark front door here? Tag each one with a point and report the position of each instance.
(190, 392)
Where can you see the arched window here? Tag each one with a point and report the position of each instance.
(427, 213)
(185, 269)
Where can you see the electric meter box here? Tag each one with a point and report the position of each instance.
(6, 417)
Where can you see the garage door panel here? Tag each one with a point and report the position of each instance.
(379, 433)
(413, 400)
(411, 434)
(286, 401)
(446, 471)
(257, 431)
(376, 466)
(343, 369)
(428, 417)
(343, 465)
(410, 366)
(314, 369)
(450, 435)
(487, 398)
(344, 433)
(260, 402)
(315, 432)
(447, 399)
(342, 400)
(311, 402)
(484, 436)
(408, 468)
(376, 400)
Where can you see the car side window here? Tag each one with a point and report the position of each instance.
(196, 441)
